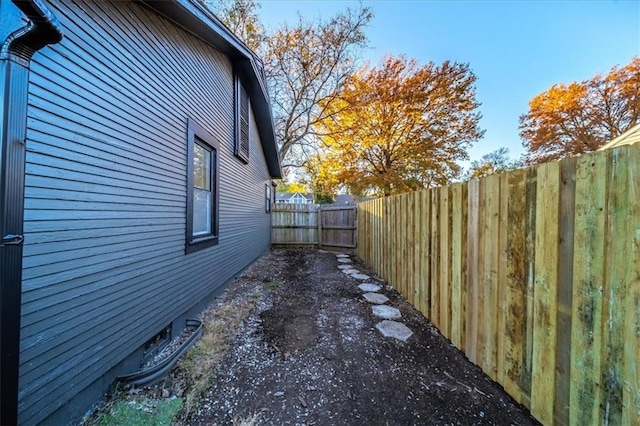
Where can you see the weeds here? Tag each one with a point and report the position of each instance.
(189, 380)
(272, 285)
(221, 325)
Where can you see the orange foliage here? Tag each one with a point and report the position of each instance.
(400, 127)
(577, 118)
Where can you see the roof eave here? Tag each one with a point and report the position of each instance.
(627, 138)
(199, 21)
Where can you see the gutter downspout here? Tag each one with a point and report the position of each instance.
(15, 56)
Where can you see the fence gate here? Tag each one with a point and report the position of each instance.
(326, 226)
(337, 227)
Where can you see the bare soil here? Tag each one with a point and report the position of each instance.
(309, 354)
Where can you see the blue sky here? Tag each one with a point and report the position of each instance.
(516, 48)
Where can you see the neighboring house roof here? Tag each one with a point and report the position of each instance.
(629, 137)
(198, 20)
(283, 196)
(339, 199)
(345, 199)
(350, 199)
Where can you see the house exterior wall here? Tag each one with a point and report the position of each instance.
(105, 267)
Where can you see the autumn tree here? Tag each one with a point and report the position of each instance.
(306, 63)
(321, 178)
(292, 187)
(241, 16)
(575, 118)
(401, 127)
(497, 161)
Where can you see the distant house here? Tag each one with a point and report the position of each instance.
(348, 199)
(294, 198)
(149, 164)
(629, 137)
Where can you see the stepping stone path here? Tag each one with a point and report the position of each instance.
(386, 312)
(394, 329)
(388, 328)
(376, 298)
(360, 276)
(368, 287)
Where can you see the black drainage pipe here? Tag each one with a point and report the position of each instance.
(151, 375)
(19, 44)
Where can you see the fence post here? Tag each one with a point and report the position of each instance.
(319, 219)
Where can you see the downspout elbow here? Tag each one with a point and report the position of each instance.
(43, 29)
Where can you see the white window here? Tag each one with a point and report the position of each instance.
(202, 188)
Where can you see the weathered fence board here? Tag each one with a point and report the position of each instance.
(503, 318)
(331, 226)
(425, 277)
(545, 291)
(458, 293)
(565, 291)
(473, 231)
(294, 224)
(588, 275)
(626, 181)
(337, 226)
(515, 286)
(534, 274)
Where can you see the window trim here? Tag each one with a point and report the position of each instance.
(196, 132)
(268, 197)
(238, 87)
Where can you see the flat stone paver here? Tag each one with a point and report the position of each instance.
(376, 298)
(394, 329)
(344, 260)
(360, 276)
(368, 287)
(350, 271)
(342, 255)
(386, 312)
(345, 266)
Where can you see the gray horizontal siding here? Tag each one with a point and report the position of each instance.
(104, 264)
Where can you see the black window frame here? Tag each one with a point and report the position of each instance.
(196, 134)
(242, 106)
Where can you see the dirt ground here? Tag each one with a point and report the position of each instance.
(309, 354)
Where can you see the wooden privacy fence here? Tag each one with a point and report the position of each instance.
(328, 226)
(534, 274)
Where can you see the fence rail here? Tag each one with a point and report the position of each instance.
(534, 274)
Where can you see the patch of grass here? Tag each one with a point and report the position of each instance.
(272, 285)
(141, 411)
(220, 327)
